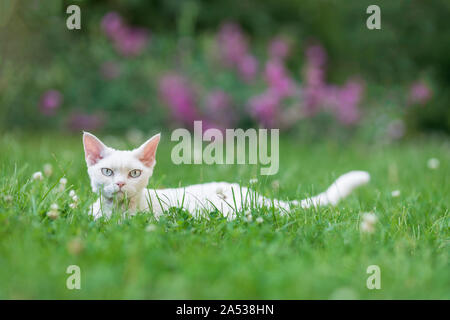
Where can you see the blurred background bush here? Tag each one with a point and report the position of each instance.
(307, 67)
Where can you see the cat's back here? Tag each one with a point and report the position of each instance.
(202, 195)
(226, 197)
(205, 188)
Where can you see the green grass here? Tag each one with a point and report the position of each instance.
(317, 253)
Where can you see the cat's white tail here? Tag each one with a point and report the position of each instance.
(342, 187)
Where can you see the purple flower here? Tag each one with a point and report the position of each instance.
(232, 44)
(78, 121)
(218, 101)
(248, 67)
(110, 70)
(315, 76)
(315, 91)
(219, 108)
(277, 78)
(265, 108)
(330, 96)
(342, 101)
(233, 48)
(176, 93)
(348, 99)
(112, 23)
(50, 101)
(316, 55)
(279, 48)
(130, 41)
(419, 93)
(314, 98)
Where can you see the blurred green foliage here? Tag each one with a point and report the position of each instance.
(38, 52)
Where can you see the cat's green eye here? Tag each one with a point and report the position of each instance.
(107, 172)
(135, 173)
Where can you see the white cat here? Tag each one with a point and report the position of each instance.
(121, 178)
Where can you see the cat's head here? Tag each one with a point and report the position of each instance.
(116, 173)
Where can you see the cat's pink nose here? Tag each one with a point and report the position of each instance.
(120, 184)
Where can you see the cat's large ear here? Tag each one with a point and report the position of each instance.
(147, 152)
(94, 149)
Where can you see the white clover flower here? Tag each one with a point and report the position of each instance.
(395, 193)
(75, 198)
(253, 181)
(75, 246)
(368, 222)
(248, 217)
(73, 205)
(367, 227)
(62, 184)
(259, 220)
(150, 228)
(53, 214)
(370, 217)
(433, 163)
(48, 169)
(276, 184)
(38, 176)
(72, 193)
